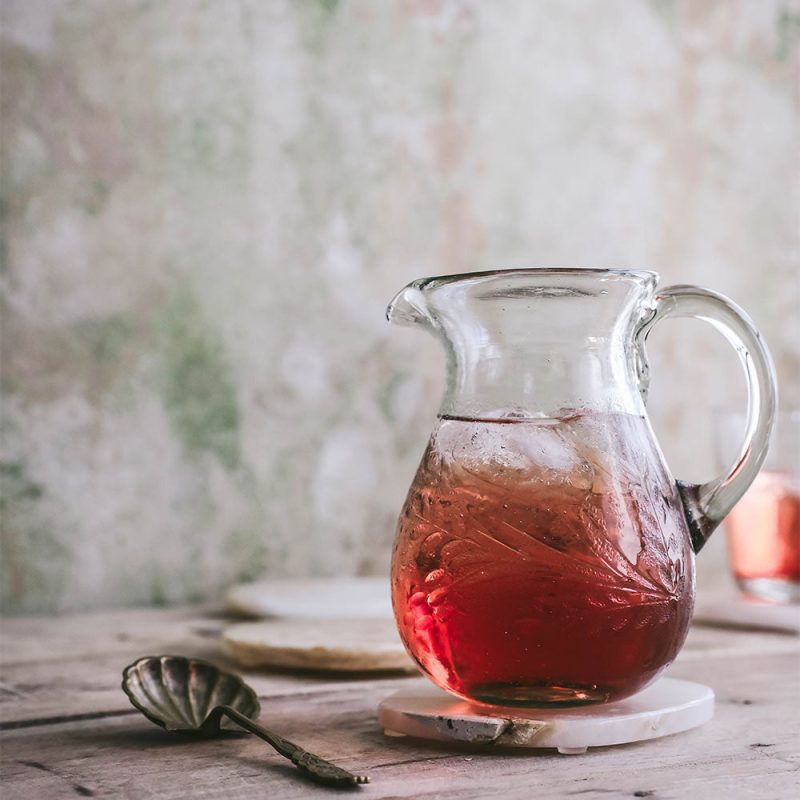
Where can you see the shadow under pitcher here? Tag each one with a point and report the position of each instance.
(544, 554)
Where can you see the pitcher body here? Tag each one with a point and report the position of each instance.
(544, 555)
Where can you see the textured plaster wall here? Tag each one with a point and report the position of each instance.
(206, 206)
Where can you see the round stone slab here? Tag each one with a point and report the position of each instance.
(314, 598)
(348, 645)
(668, 706)
(730, 609)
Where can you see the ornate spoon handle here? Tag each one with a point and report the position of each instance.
(319, 769)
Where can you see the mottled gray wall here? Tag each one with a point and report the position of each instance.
(206, 206)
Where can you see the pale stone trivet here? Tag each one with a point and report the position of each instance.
(347, 645)
(313, 598)
(732, 610)
(668, 706)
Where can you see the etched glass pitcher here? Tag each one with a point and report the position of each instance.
(544, 554)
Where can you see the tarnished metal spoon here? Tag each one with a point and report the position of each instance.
(188, 695)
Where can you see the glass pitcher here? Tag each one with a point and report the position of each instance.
(544, 554)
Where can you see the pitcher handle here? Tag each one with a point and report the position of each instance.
(707, 504)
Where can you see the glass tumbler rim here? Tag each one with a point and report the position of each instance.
(784, 448)
(720, 412)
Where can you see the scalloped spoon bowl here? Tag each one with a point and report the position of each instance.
(189, 695)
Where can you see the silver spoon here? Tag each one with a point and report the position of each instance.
(188, 695)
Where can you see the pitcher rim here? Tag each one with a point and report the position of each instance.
(640, 275)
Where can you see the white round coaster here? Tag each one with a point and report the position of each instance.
(668, 706)
(342, 645)
(729, 609)
(314, 598)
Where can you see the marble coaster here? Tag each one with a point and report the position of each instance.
(731, 610)
(341, 645)
(313, 598)
(668, 706)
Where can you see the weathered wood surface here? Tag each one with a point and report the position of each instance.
(69, 731)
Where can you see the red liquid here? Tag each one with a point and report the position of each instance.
(764, 531)
(542, 562)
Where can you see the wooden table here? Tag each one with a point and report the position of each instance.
(69, 731)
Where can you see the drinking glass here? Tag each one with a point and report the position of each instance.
(763, 529)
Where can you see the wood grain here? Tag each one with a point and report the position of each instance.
(54, 672)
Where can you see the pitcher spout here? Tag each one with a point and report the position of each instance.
(409, 307)
(536, 339)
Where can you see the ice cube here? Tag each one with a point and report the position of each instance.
(534, 451)
(548, 449)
